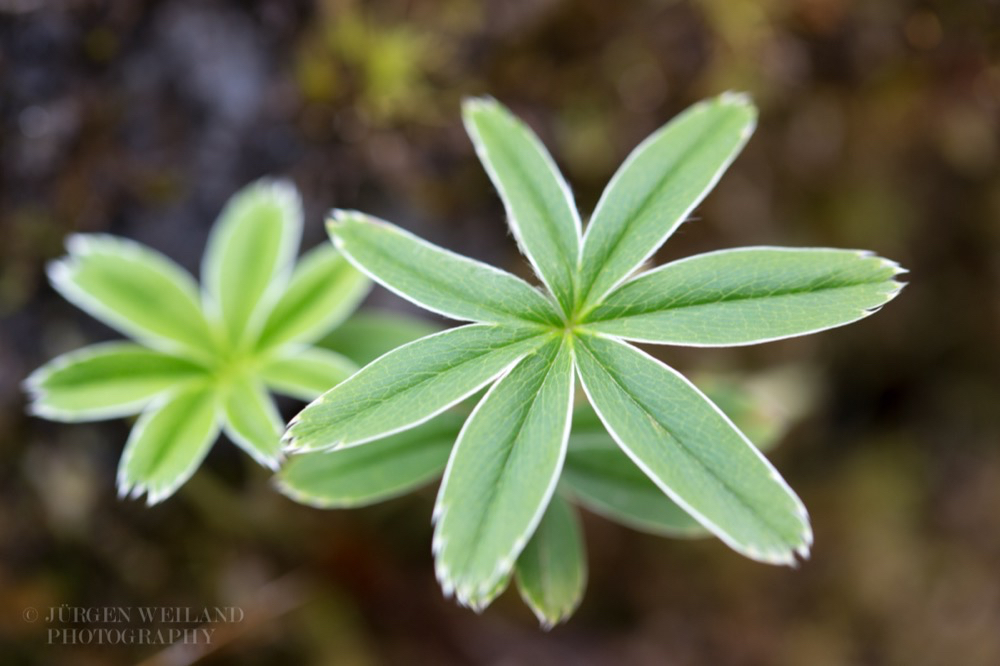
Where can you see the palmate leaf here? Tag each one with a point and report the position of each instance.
(693, 452)
(502, 474)
(540, 208)
(656, 188)
(747, 296)
(213, 353)
(409, 386)
(136, 290)
(434, 278)
(676, 464)
(249, 255)
(380, 470)
(552, 568)
(106, 381)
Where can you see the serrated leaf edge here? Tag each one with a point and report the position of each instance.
(126, 488)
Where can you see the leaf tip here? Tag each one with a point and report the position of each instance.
(80, 244)
(548, 619)
(473, 597)
(743, 102)
(290, 444)
(281, 192)
(478, 104)
(59, 272)
(32, 384)
(338, 219)
(736, 98)
(334, 219)
(282, 189)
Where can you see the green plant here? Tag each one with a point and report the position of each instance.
(202, 362)
(497, 511)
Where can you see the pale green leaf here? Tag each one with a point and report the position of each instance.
(370, 333)
(693, 452)
(105, 381)
(657, 187)
(134, 289)
(746, 296)
(502, 474)
(167, 444)
(552, 569)
(249, 255)
(409, 385)
(252, 421)
(603, 479)
(540, 208)
(323, 291)
(306, 372)
(379, 470)
(435, 278)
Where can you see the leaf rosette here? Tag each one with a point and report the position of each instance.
(203, 358)
(669, 461)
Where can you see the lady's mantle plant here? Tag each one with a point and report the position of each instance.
(203, 360)
(496, 508)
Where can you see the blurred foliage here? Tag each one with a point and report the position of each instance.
(880, 128)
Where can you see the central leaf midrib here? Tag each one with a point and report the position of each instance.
(611, 310)
(546, 563)
(541, 206)
(191, 322)
(437, 282)
(494, 489)
(162, 452)
(394, 393)
(687, 450)
(640, 208)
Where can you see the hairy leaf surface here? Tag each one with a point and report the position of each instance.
(540, 208)
(747, 296)
(502, 474)
(693, 452)
(657, 187)
(552, 569)
(410, 385)
(435, 278)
